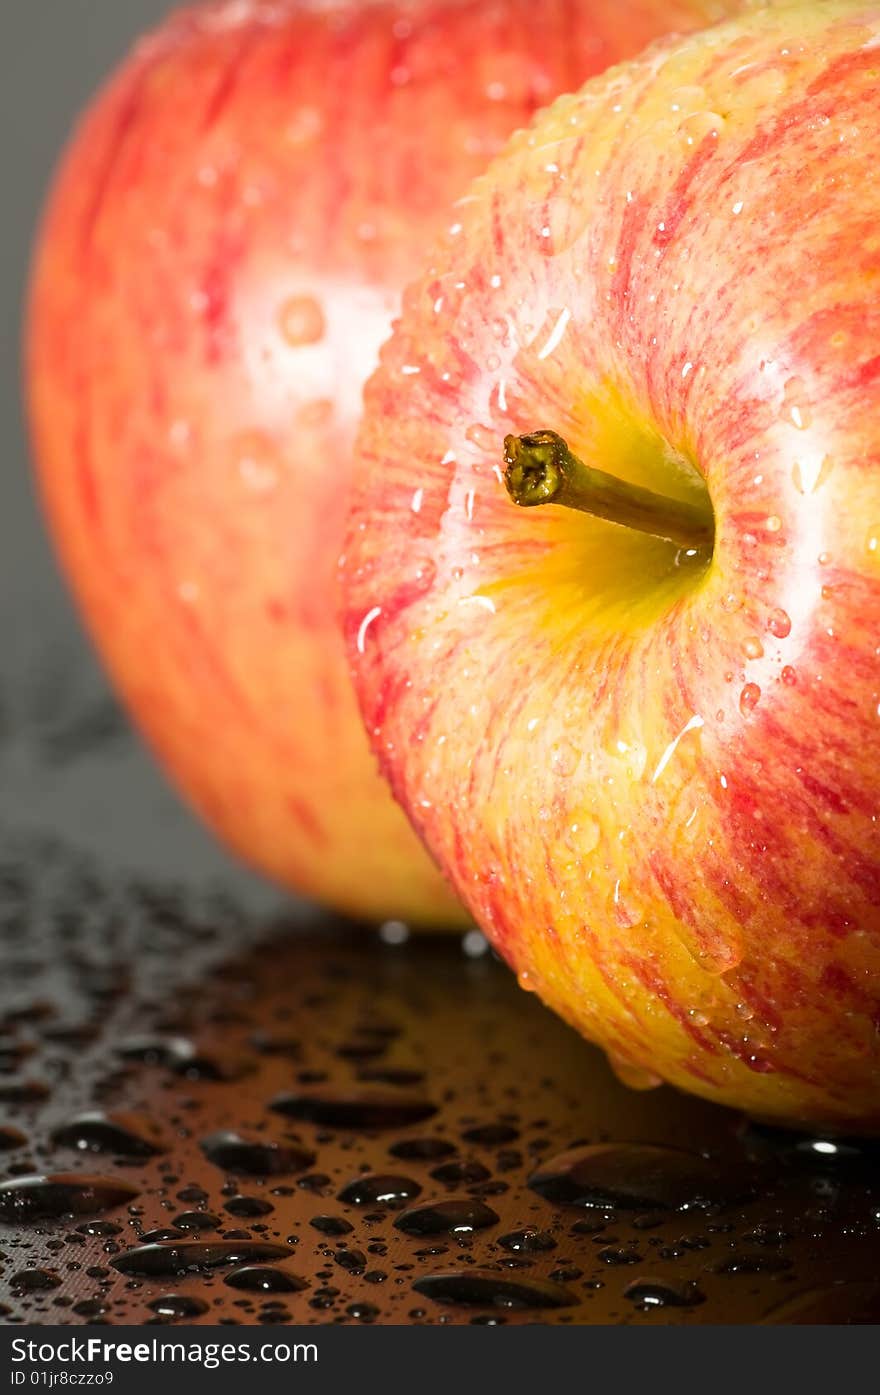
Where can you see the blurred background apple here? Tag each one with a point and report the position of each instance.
(221, 257)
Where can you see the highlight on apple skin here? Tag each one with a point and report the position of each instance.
(221, 257)
(651, 771)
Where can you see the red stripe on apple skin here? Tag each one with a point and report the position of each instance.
(671, 830)
(843, 987)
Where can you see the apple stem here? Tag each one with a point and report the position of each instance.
(541, 469)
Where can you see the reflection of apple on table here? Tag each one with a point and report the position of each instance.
(650, 767)
(222, 256)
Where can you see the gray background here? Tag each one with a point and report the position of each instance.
(55, 709)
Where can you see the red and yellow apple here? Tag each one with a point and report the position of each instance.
(221, 257)
(650, 768)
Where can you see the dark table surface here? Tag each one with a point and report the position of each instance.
(205, 1083)
(149, 984)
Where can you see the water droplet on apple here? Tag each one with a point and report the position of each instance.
(872, 541)
(302, 320)
(788, 676)
(779, 624)
(687, 100)
(749, 698)
(582, 834)
(761, 83)
(256, 459)
(713, 952)
(564, 758)
(795, 407)
(697, 127)
(808, 476)
(753, 648)
(635, 1077)
(563, 222)
(625, 914)
(484, 438)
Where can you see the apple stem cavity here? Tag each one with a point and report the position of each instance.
(541, 469)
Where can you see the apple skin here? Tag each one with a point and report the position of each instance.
(655, 787)
(221, 257)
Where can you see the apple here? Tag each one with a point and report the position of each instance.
(644, 745)
(221, 257)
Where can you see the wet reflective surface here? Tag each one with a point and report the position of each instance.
(213, 1117)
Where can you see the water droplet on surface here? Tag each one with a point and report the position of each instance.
(355, 1261)
(527, 1241)
(178, 1305)
(105, 1228)
(636, 1177)
(248, 1206)
(331, 1225)
(257, 1279)
(459, 1173)
(60, 1194)
(457, 1216)
(660, 1293)
(617, 1255)
(34, 1280)
(162, 1232)
(178, 1256)
(379, 1189)
(128, 1135)
(367, 1110)
(302, 321)
(491, 1135)
(482, 1288)
(11, 1138)
(254, 1159)
(197, 1220)
(364, 1312)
